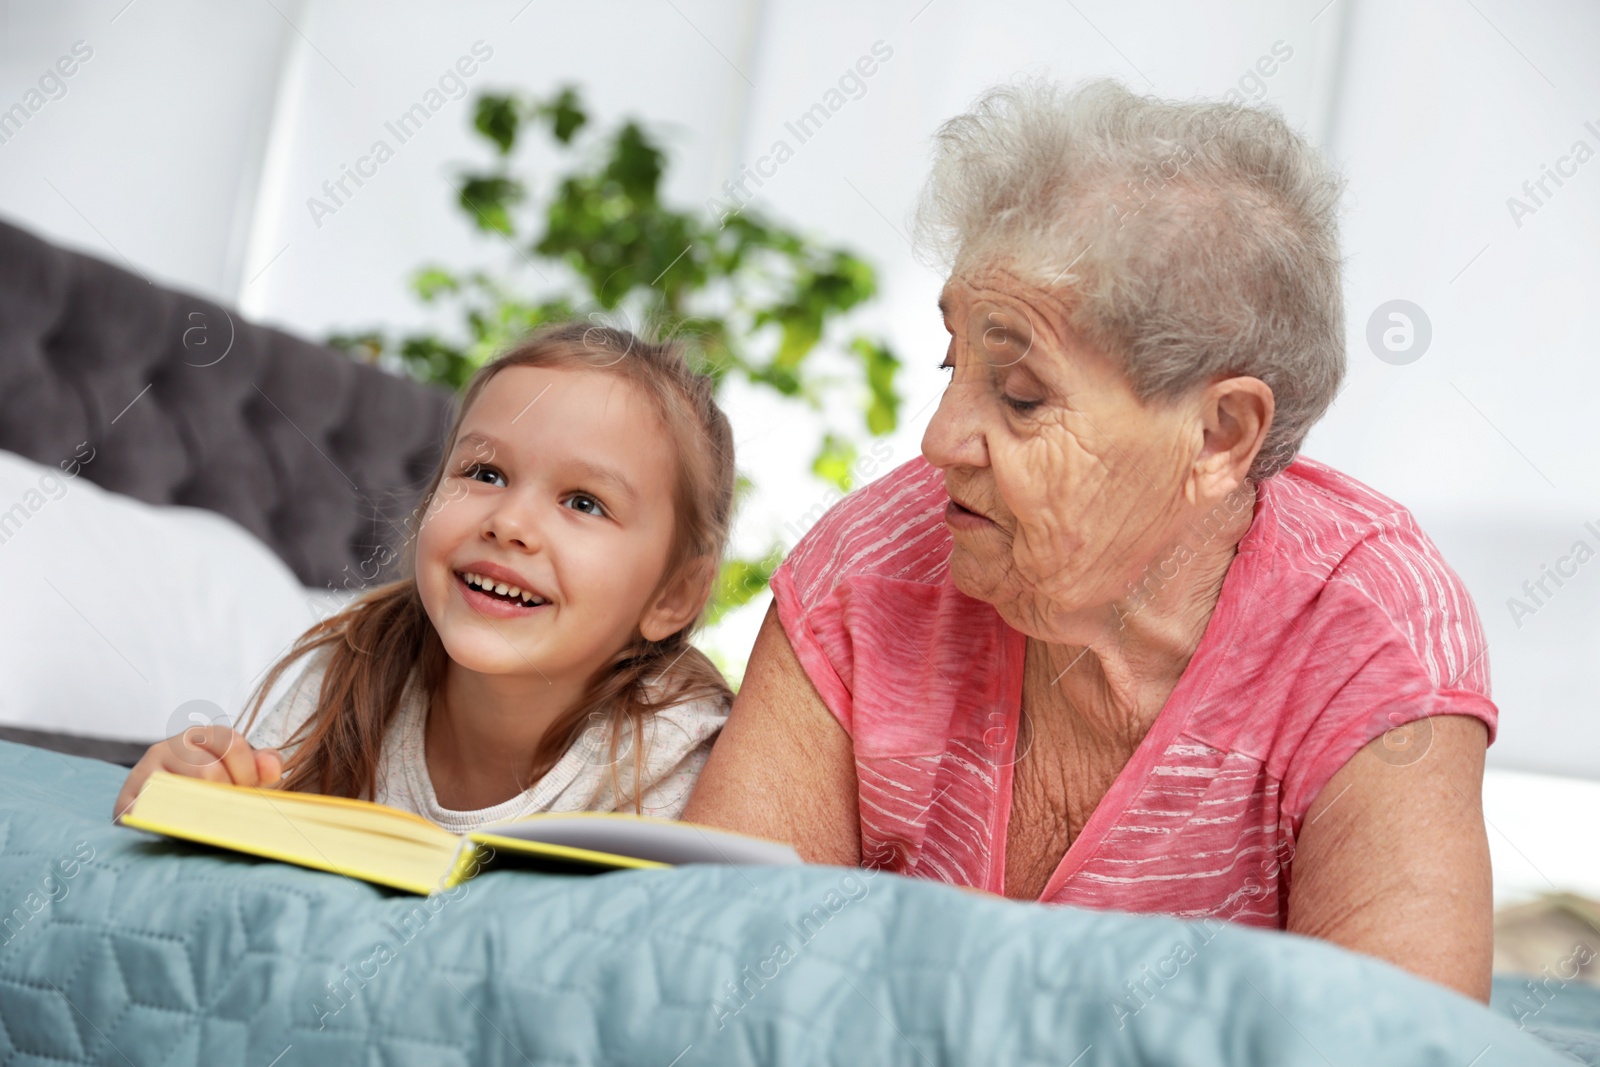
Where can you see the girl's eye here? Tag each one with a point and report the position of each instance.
(587, 504)
(476, 472)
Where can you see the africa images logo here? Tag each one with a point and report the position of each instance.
(1399, 332)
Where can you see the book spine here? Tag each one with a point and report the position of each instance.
(469, 861)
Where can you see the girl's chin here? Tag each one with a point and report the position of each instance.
(493, 656)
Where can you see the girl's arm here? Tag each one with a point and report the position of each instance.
(214, 753)
(783, 768)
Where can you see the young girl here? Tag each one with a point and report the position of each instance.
(536, 656)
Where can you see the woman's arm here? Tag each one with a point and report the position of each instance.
(783, 768)
(1393, 861)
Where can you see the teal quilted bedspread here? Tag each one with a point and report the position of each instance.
(119, 948)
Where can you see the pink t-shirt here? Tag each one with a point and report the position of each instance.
(1338, 622)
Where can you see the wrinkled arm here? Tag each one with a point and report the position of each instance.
(1393, 861)
(783, 768)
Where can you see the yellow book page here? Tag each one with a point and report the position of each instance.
(351, 837)
(486, 847)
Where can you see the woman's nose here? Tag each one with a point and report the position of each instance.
(955, 436)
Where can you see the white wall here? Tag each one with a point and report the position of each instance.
(1437, 111)
(1445, 110)
(151, 159)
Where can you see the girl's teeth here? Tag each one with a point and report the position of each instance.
(490, 586)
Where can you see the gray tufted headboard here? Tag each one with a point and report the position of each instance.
(185, 403)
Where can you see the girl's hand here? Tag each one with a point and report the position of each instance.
(214, 753)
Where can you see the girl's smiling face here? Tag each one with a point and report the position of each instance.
(561, 485)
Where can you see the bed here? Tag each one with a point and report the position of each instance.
(117, 947)
(251, 480)
(281, 470)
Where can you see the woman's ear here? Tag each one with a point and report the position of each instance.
(680, 601)
(1235, 417)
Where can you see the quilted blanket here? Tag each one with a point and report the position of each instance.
(119, 948)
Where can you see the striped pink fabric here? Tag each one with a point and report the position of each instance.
(1338, 621)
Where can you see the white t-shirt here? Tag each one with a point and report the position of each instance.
(677, 741)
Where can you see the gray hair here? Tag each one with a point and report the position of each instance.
(1192, 241)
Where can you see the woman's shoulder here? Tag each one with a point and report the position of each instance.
(1340, 526)
(891, 528)
(1339, 532)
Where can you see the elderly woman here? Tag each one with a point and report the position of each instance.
(1109, 643)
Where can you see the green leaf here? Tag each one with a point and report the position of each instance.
(497, 118)
(430, 283)
(834, 460)
(782, 379)
(801, 332)
(880, 365)
(739, 582)
(431, 360)
(636, 164)
(565, 113)
(488, 200)
(365, 347)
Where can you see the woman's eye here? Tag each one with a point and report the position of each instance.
(482, 472)
(946, 365)
(1021, 406)
(585, 503)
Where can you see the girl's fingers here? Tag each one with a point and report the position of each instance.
(214, 753)
(135, 782)
(239, 758)
(269, 766)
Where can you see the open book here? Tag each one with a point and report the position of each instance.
(385, 845)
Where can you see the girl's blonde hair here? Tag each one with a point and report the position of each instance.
(377, 640)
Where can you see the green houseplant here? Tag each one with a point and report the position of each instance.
(758, 299)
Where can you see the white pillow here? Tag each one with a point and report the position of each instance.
(123, 620)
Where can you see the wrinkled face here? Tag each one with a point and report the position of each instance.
(1063, 485)
(559, 490)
